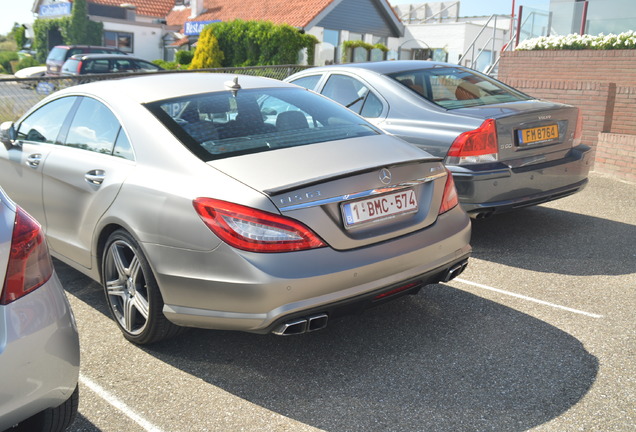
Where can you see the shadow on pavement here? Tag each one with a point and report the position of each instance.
(556, 241)
(444, 360)
(81, 424)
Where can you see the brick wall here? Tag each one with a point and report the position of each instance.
(617, 66)
(602, 84)
(615, 155)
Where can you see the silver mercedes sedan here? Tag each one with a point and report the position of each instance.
(506, 149)
(231, 202)
(39, 344)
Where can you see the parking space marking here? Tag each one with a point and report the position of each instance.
(532, 299)
(121, 406)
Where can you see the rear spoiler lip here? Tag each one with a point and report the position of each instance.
(318, 180)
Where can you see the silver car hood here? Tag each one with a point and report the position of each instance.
(290, 168)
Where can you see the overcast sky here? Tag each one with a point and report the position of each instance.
(20, 10)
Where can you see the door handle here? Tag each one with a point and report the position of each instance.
(34, 160)
(95, 177)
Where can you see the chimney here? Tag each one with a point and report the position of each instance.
(196, 7)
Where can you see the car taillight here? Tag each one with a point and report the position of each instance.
(450, 198)
(578, 131)
(30, 264)
(255, 230)
(475, 146)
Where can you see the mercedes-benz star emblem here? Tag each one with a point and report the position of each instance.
(385, 176)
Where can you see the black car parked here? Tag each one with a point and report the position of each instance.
(60, 53)
(81, 64)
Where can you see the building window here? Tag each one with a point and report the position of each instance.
(380, 40)
(120, 40)
(355, 36)
(331, 36)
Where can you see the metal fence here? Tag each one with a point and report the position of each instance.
(18, 95)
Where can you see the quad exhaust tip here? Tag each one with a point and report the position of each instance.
(302, 325)
(455, 271)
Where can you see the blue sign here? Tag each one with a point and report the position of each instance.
(45, 88)
(55, 9)
(193, 28)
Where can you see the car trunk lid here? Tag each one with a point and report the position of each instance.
(352, 192)
(530, 132)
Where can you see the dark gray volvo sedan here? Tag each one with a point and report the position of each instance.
(505, 149)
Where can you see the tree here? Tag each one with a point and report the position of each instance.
(208, 54)
(77, 32)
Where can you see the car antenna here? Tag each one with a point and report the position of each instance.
(233, 85)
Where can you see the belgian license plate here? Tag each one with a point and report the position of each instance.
(538, 134)
(380, 207)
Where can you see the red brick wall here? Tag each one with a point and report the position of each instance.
(617, 66)
(624, 120)
(615, 155)
(601, 83)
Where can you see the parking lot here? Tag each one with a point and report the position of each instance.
(539, 334)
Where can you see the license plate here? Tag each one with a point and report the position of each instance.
(538, 134)
(380, 207)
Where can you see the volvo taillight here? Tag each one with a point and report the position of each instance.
(255, 230)
(578, 131)
(450, 198)
(475, 146)
(30, 264)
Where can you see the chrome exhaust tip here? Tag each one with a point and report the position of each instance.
(291, 328)
(303, 325)
(455, 271)
(317, 322)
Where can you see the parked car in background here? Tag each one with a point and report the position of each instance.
(60, 53)
(231, 202)
(81, 64)
(505, 149)
(39, 346)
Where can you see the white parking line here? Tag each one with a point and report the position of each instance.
(114, 401)
(500, 291)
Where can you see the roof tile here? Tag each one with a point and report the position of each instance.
(153, 8)
(277, 11)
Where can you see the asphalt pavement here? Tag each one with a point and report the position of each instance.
(539, 333)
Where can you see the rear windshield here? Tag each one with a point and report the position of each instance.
(456, 87)
(70, 66)
(58, 54)
(222, 124)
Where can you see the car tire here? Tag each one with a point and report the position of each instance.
(55, 419)
(132, 292)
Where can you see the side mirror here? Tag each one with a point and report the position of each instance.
(7, 134)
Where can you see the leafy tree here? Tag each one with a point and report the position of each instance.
(207, 53)
(19, 35)
(77, 31)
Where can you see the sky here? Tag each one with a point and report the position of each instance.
(20, 10)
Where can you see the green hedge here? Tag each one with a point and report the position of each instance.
(260, 43)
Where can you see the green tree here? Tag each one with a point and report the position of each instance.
(19, 35)
(77, 31)
(208, 54)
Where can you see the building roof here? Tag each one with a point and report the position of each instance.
(299, 14)
(152, 8)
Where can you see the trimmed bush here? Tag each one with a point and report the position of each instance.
(259, 43)
(575, 41)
